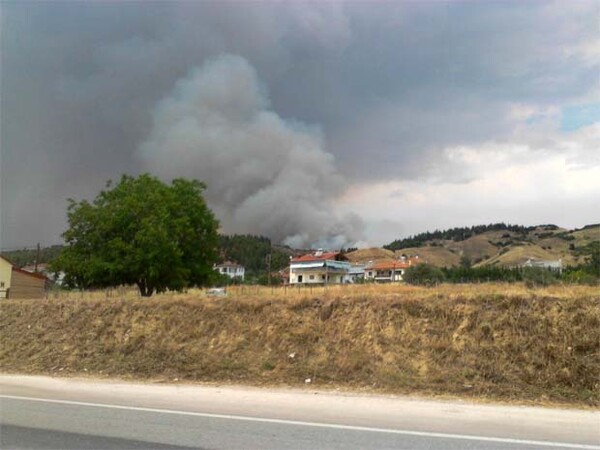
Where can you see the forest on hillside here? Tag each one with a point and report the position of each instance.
(460, 234)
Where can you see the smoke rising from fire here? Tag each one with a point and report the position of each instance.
(265, 175)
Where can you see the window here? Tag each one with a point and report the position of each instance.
(322, 277)
(311, 277)
(370, 274)
(1, 284)
(299, 278)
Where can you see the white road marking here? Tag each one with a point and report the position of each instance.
(311, 424)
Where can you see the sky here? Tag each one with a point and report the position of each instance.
(316, 124)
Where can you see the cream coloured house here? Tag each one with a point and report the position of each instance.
(18, 283)
(319, 268)
(5, 277)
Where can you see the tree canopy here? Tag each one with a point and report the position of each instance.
(252, 252)
(143, 232)
(460, 234)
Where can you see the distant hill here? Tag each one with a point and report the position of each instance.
(494, 244)
(252, 252)
(370, 254)
(26, 257)
(501, 244)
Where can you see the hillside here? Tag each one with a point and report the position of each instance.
(369, 254)
(501, 244)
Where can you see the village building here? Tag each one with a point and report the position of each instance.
(319, 268)
(356, 274)
(18, 283)
(389, 271)
(554, 265)
(231, 269)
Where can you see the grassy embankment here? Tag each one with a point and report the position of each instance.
(501, 342)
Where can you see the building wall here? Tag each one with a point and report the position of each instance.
(231, 271)
(371, 274)
(26, 286)
(318, 276)
(5, 277)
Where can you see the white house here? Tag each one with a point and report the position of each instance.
(319, 268)
(388, 271)
(555, 265)
(231, 269)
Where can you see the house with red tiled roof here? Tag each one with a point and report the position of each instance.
(389, 270)
(319, 267)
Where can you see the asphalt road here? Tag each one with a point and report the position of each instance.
(40, 412)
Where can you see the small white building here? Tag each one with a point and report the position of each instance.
(231, 269)
(319, 268)
(554, 265)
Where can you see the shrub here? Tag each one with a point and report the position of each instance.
(538, 276)
(423, 274)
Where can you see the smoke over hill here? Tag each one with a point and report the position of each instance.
(265, 175)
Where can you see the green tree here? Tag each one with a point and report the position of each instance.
(593, 261)
(423, 274)
(465, 262)
(538, 276)
(143, 232)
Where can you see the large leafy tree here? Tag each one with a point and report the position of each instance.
(143, 232)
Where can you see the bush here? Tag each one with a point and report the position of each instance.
(424, 275)
(538, 276)
(580, 276)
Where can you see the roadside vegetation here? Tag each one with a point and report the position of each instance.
(141, 232)
(489, 341)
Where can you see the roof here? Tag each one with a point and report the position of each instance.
(316, 256)
(7, 260)
(31, 274)
(390, 265)
(229, 264)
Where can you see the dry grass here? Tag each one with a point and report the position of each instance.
(491, 341)
(438, 256)
(365, 255)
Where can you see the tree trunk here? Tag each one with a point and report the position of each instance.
(145, 290)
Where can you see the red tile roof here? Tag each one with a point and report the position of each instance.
(391, 265)
(316, 257)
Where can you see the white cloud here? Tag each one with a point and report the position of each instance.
(515, 183)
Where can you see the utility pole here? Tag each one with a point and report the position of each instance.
(37, 258)
(269, 268)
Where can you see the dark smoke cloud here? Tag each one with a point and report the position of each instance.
(389, 85)
(264, 174)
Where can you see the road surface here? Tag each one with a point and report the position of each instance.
(42, 412)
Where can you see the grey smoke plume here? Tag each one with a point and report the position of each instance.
(264, 174)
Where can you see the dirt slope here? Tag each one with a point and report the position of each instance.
(365, 255)
(438, 256)
(540, 346)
